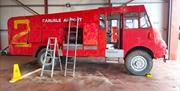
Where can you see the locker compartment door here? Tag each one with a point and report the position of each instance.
(90, 34)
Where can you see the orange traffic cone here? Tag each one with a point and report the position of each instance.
(16, 74)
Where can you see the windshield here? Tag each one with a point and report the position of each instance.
(144, 22)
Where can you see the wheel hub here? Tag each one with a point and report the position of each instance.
(138, 63)
(48, 61)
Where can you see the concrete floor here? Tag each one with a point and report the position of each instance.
(90, 76)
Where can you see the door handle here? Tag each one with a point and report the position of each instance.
(150, 35)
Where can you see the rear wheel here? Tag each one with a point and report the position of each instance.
(41, 56)
(138, 62)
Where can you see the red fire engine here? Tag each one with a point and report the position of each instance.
(123, 32)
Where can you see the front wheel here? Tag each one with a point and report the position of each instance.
(138, 62)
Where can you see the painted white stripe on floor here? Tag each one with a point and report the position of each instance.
(30, 73)
(105, 78)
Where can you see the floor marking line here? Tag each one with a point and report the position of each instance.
(30, 73)
(105, 77)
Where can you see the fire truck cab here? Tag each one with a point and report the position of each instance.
(111, 32)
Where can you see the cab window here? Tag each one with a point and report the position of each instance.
(144, 22)
(102, 21)
(131, 23)
(131, 20)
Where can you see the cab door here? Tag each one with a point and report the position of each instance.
(130, 29)
(136, 30)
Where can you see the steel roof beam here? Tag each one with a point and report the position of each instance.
(26, 7)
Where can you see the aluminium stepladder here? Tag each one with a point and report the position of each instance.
(50, 54)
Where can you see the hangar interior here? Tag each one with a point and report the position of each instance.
(93, 75)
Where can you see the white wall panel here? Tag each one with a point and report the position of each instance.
(4, 39)
(7, 2)
(158, 14)
(76, 1)
(66, 9)
(13, 2)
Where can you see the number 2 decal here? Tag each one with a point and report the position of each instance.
(19, 35)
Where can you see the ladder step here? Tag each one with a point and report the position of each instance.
(73, 31)
(50, 50)
(70, 57)
(49, 57)
(56, 57)
(74, 38)
(52, 38)
(51, 44)
(70, 65)
(70, 62)
(52, 57)
(69, 69)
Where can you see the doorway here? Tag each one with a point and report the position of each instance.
(113, 31)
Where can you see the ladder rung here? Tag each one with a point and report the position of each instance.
(72, 37)
(73, 31)
(49, 57)
(57, 57)
(70, 62)
(52, 57)
(52, 38)
(50, 50)
(70, 56)
(69, 69)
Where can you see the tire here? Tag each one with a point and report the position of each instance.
(40, 56)
(138, 62)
